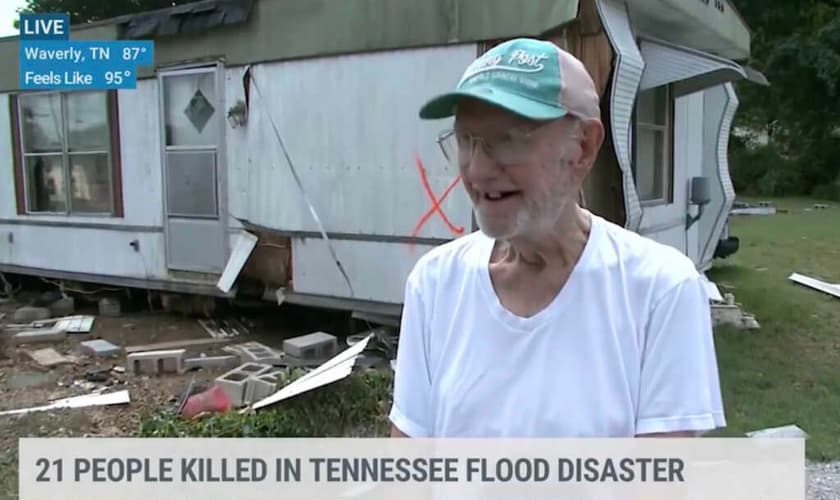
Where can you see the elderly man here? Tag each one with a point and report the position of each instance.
(550, 321)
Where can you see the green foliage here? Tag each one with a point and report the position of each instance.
(797, 46)
(356, 406)
(763, 171)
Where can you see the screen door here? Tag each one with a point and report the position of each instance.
(192, 118)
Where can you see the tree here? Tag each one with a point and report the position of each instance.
(84, 11)
(797, 46)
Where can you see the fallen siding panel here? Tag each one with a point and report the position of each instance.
(822, 286)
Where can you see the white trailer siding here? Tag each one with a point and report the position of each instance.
(94, 245)
(377, 270)
(351, 128)
(626, 77)
(720, 105)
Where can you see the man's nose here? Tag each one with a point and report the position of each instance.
(479, 165)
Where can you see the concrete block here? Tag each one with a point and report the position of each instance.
(312, 346)
(65, 306)
(262, 354)
(235, 382)
(29, 314)
(156, 362)
(210, 362)
(109, 306)
(99, 348)
(261, 386)
(37, 336)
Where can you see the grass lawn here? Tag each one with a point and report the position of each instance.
(788, 372)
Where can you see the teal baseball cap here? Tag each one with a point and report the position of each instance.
(529, 77)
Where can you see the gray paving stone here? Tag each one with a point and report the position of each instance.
(99, 348)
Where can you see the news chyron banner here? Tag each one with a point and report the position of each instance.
(50, 60)
(372, 468)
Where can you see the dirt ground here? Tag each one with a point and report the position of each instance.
(24, 383)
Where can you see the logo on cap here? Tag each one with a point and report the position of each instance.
(519, 61)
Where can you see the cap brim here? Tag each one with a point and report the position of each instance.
(443, 106)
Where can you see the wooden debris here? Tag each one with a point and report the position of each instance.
(176, 344)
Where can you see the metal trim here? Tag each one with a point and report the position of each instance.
(384, 238)
(365, 306)
(141, 283)
(106, 226)
(722, 159)
(625, 86)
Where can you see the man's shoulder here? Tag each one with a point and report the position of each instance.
(455, 256)
(643, 258)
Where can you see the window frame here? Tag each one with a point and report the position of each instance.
(114, 155)
(667, 152)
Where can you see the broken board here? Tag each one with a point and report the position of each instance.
(113, 398)
(176, 344)
(822, 286)
(242, 249)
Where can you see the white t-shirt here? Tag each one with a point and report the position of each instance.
(625, 348)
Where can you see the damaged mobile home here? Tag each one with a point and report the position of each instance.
(184, 184)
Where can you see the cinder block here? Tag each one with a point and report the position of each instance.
(99, 347)
(38, 336)
(312, 346)
(260, 386)
(209, 362)
(263, 354)
(235, 382)
(156, 362)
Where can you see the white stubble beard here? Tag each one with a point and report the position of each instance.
(539, 214)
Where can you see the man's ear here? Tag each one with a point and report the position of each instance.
(592, 137)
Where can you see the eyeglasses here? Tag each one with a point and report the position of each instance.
(509, 149)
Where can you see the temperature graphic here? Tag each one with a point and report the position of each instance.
(116, 77)
(49, 60)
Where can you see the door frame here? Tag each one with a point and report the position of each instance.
(217, 67)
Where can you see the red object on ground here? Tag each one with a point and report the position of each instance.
(213, 399)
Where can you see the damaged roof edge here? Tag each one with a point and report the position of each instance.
(185, 19)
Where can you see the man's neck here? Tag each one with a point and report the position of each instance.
(559, 247)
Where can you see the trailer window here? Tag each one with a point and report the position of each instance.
(66, 161)
(653, 164)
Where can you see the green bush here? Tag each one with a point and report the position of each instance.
(356, 406)
(829, 191)
(763, 171)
